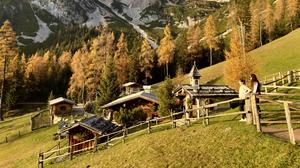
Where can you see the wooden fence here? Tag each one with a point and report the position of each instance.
(280, 80)
(174, 120)
(40, 120)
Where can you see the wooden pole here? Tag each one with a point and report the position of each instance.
(71, 152)
(255, 111)
(289, 123)
(275, 83)
(107, 140)
(58, 145)
(290, 77)
(249, 114)
(95, 143)
(149, 127)
(124, 134)
(40, 160)
(206, 114)
(172, 118)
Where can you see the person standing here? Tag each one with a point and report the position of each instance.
(255, 86)
(243, 92)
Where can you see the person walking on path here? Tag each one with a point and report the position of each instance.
(243, 92)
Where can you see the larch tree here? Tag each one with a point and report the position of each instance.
(210, 36)
(79, 65)
(268, 19)
(8, 49)
(279, 10)
(166, 49)
(193, 39)
(292, 7)
(108, 88)
(255, 24)
(146, 60)
(238, 65)
(121, 60)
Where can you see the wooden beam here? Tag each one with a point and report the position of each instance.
(289, 123)
(227, 114)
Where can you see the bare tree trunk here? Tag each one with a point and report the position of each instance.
(167, 69)
(2, 90)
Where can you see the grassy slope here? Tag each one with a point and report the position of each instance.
(230, 144)
(280, 55)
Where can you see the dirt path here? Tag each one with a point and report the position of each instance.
(281, 133)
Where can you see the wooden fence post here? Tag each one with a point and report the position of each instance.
(95, 143)
(71, 152)
(255, 112)
(173, 121)
(275, 83)
(58, 145)
(207, 114)
(149, 127)
(290, 77)
(186, 121)
(289, 123)
(40, 160)
(298, 74)
(107, 140)
(249, 114)
(124, 134)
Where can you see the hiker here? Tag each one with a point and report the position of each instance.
(255, 86)
(243, 91)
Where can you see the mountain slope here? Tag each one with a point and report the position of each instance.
(280, 55)
(36, 21)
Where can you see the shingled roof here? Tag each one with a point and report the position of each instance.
(95, 124)
(206, 91)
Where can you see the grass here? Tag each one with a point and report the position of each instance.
(23, 152)
(230, 144)
(280, 55)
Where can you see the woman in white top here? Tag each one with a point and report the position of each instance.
(243, 92)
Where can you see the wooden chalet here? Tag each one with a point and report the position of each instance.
(59, 108)
(131, 87)
(144, 99)
(86, 130)
(193, 95)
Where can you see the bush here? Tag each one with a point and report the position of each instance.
(127, 117)
(90, 107)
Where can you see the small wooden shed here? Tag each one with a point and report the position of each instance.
(59, 108)
(87, 130)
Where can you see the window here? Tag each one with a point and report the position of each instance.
(196, 82)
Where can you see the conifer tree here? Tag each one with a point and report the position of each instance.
(165, 97)
(121, 60)
(166, 49)
(108, 88)
(146, 60)
(292, 12)
(210, 36)
(8, 49)
(238, 65)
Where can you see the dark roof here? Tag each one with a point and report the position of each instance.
(194, 71)
(61, 100)
(143, 95)
(95, 124)
(206, 91)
